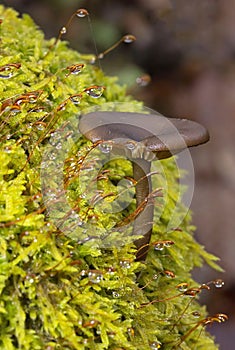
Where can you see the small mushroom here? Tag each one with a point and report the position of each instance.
(142, 138)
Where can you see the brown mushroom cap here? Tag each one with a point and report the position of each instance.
(148, 136)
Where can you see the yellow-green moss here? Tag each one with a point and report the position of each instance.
(54, 292)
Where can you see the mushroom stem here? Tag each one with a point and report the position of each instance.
(144, 221)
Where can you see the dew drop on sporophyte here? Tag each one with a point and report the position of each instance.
(169, 274)
(168, 244)
(63, 30)
(105, 147)
(7, 71)
(196, 314)
(143, 80)
(75, 69)
(95, 91)
(62, 106)
(14, 109)
(128, 38)
(155, 345)
(95, 276)
(159, 246)
(221, 317)
(82, 13)
(76, 99)
(218, 283)
(182, 287)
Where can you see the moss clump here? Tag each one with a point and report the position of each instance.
(59, 290)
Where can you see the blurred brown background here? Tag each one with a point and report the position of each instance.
(188, 49)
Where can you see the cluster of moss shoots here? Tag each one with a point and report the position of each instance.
(67, 291)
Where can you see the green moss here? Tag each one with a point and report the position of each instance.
(55, 292)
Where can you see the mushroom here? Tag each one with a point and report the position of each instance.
(142, 138)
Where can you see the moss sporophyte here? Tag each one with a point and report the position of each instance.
(77, 269)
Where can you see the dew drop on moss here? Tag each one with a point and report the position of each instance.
(155, 345)
(125, 264)
(6, 75)
(116, 295)
(105, 147)
(95, 276)
(130, 145)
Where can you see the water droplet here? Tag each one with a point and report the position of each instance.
(155, 345)
(116, 295)
(90, 324)
(63, 30)
(111, 270)
(75, 99)
(14, 109)
(155, 277)
(144, 80)
(95, 276)
(8, 70)
(95, 91)
(204, 286)
(169, 274)
(52, 156)
(82, 13)
(168, 244)
(6, 76)
(192, 292)
(182, 287)
(40, 127)
(196, 314)
(130, 145)
(222, 317)
(218, 283)
(92, 60)
(131, 331)
(37, 109)
(75, 68)
(59, 145)
(101, 55)
(62, 106)
(126, 264)
(7, 149)
(30, 278)
(128, 38)
(105, 147)
(159, 246)
(21, 100)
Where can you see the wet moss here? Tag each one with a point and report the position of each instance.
(59, 287)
